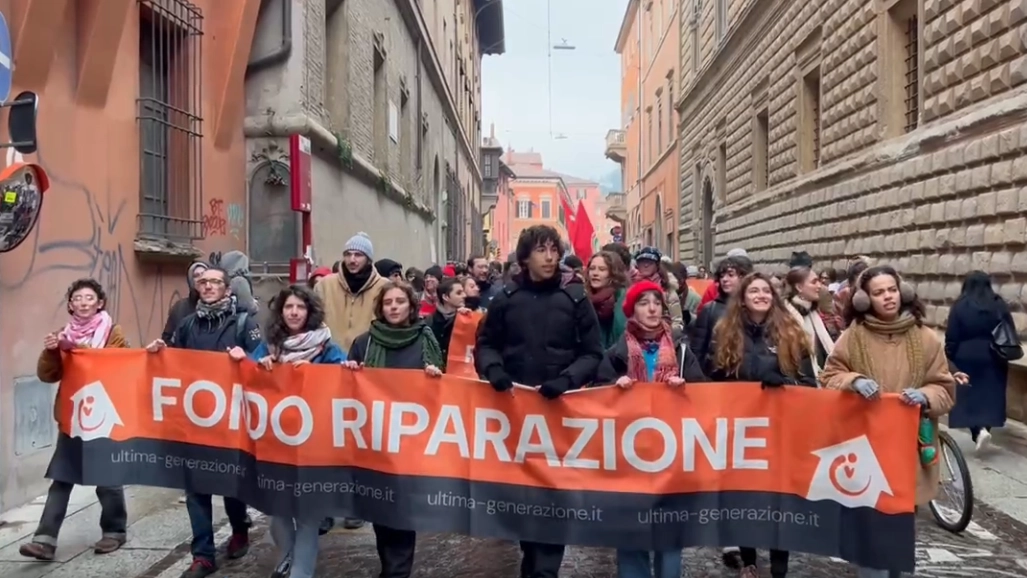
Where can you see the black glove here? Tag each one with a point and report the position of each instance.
(498, 379)
(774, 379)
(554, 388)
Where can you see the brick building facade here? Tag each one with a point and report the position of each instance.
(890, 128)
(389, 92)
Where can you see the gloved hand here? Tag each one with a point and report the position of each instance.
(498, 379)
(868, 388)
(554, 388)
(774, 379)
(913, 396)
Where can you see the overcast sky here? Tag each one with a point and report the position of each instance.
(585, 83)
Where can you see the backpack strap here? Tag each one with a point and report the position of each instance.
(240, 327)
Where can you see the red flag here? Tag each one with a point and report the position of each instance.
(584, 232)
(568, 218)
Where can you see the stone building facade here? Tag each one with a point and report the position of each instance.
(895, 129)
(389, 92)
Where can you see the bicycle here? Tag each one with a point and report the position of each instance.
(955, 483)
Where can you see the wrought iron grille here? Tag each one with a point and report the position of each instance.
(169, 114)
(456, 220)
(814, 89)
(912, 74)
(477, 232)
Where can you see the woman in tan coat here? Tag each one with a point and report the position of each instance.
(887, 349)
(89, 327)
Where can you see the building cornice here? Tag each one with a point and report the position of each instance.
(414, 19)
(757, 19)
(630, 13)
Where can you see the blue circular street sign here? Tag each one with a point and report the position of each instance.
(6, 60)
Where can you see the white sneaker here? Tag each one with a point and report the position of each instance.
(983, 440)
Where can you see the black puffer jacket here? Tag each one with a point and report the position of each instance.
(442, 327)
(759, 363)
(538, 332)
(615, 363)
(702, 330)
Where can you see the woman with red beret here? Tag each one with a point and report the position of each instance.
(648, 352)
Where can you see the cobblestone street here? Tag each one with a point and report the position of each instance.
(992, 547)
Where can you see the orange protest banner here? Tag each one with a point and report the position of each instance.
(715, 464)
(699, 285)
(460, 361)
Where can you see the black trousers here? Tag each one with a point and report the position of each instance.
(778, 560)
(395, 551)
(540, 560)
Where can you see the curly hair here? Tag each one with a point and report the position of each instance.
(782, 330)
(277, 331)
(618, 274)
(89, 283)
(379, 301)
(850, 315)
(537, 236)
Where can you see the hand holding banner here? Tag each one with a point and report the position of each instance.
(649, 468)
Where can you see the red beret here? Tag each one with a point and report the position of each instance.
(635, 292)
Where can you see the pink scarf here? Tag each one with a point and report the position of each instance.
(91, 332)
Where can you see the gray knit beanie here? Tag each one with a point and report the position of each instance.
(360, 243)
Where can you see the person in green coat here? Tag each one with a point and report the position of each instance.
(607, 283)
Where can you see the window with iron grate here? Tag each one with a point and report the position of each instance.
(809, 134)
(912, 99)
(170, 118)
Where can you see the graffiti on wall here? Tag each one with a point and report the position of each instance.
(223, 219)
(93, 243)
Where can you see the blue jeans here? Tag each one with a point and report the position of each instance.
(201, 514)
(298, 539)
(642, 564)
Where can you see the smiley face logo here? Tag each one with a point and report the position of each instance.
(844, 471)
(93, 413)
(849, 473)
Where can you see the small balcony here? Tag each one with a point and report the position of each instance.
(616, 208)
(616, 146)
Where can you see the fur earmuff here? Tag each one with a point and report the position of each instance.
(861, 301)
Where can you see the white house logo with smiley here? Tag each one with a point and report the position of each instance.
(93, 413)
(849, 473)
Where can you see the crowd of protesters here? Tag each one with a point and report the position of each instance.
(560, 322)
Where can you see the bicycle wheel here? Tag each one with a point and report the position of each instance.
(954, 505)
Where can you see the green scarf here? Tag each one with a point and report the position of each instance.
(386, 337)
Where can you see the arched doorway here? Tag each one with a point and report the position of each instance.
(658, 237)
(707, 222)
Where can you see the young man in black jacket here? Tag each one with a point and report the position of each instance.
(543, 333)
(217, 325)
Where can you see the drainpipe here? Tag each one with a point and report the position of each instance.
(420, 113)
(280, 54)
(641, 107)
